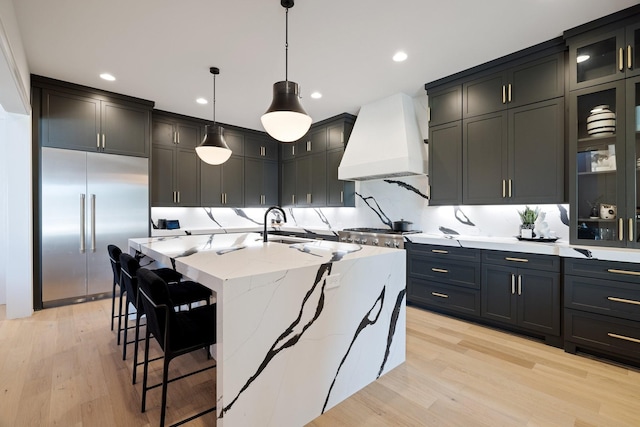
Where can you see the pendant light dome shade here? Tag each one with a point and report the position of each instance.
(286, 120)
(214, 149)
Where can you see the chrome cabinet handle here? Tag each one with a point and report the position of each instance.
(308, 145)
(629, 57)
(178, 141)
(513, 283)
(516, 259)
(178, 194)
(631, 229)
(97, 141)
(504, 191)
(623, 337)
(103, 141)
(504, 94)
(93, 223)
(222, 198)
(439, 270)
(509, 96)
(519, 284)
(438, 294)
(293, 150)
(341, 196)
(510, 194)
(82, 223)
(293, 199)
(623, 300)
(175, 138)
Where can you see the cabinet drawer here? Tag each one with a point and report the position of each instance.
(522, 260)
(603, 332)
(609, 270)
(444, 296)
(448, 253)
(454, 273)
(619, 299)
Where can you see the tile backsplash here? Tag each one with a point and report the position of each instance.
(378, 204)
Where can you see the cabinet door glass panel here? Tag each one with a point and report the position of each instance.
(600, 136)
(633, 163)
(596, 60)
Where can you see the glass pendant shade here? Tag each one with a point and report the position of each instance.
(286, 120)
(214, 149)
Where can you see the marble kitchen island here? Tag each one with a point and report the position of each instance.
(301, 326)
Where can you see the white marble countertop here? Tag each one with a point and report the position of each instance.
(561, 247)
(257, 229)
(227, 256)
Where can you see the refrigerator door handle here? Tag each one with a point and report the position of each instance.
(82, 236)
(93, 223)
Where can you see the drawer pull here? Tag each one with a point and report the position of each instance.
(439, 270)
(439, 251)
(438, 294)
(627, 272)
(516, 259)
(626, 301)
(622, 337)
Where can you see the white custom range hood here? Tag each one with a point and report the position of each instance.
(385, 142)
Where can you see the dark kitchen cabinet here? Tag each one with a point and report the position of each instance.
(222, 185)
(175, 166)
(604, 50)
(604, 167)
(496, 127)
(522, 290)
(444, 278)
(261, 147)
(602, 308)
(174, 176)
(288, 183)
(86, 121)
(515, 86)
(260, 182)
(445, 164)
(311, 185)
(505, 153)
(339, 193)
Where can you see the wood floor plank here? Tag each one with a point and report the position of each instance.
(62, 367)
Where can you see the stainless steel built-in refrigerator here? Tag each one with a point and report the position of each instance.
(89, 200)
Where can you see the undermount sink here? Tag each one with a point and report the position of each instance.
(288, 240)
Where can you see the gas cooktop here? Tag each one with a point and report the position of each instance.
(380, 230)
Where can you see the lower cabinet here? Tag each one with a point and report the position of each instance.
(517, 291)
(444, 278)
(602, 308)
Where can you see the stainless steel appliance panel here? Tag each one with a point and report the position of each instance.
(89, 200)
(64, 267)
(117, 209)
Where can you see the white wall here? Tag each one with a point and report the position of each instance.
(16, 228)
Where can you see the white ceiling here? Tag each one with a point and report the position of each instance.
(161, 50)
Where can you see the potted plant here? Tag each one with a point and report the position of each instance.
(528, 217)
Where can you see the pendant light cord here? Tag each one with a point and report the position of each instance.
(286, 47)
(214, 99)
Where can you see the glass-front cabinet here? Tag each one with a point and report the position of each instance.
(608, 56)
(603, 137)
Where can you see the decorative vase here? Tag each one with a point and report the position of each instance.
(601, 121)
(526, 231)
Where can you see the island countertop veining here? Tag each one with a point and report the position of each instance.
(301, 325)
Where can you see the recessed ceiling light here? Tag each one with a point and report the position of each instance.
(107, 76)
(400, 56)
(202, 101)
(582, 58)
(316, 95)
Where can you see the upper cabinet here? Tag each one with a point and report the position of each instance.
(604, 131)
(261, 171)
(604, 54)
(79, 118)
(309, 170)
(494, 128)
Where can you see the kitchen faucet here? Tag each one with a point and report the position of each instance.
(284, 216)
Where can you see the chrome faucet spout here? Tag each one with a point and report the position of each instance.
(284, 217)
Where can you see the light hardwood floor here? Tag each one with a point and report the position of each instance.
(62, 367)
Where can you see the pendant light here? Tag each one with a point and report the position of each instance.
(286, 120)
(214, 149)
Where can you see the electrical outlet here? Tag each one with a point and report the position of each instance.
(333, 281)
